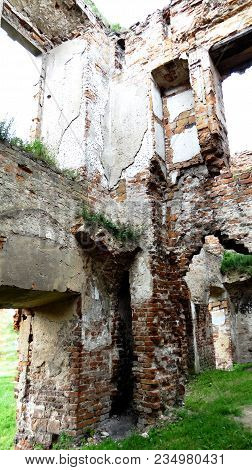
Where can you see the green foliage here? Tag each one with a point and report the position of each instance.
(40, 151)
(207, 420)
(115, 27)
(36, 148)
(96, 11)
(119, 231)
(64, 442)
(70, 173)
(7, 413)
(39, 447)
(233, 261)
(6, 130)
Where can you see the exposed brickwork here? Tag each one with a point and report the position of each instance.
(134, 167)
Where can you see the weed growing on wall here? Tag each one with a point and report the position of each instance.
(122, 232)
(116, 27)
(233, 261)
(36, 148)
(6, 130)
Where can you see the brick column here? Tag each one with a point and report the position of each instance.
(222, 339)
(49, 371)
(209, 109)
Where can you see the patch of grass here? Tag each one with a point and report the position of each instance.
(64, 442)
(122, 232)
(8, 344)
(37, 149)
(207, 420)
(7, 413)
(233, 261)
(8, 367)
(41, 152)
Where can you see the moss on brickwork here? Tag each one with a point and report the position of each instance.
(233, 261)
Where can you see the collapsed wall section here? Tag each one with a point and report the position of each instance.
(149, 137)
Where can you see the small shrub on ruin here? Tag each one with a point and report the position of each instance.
(233, 261)
(122, 232)
(70, 173)
(6, 130)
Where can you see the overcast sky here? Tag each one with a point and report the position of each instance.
(17, 80)
(128, 12)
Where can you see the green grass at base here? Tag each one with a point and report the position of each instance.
(207, 420)
(7, 413)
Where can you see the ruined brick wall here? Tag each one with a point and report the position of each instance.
(65, 375)
(241, 319)
(149, 138)
(205, 339)
(48, 373)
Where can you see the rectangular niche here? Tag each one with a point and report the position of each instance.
(181, 135)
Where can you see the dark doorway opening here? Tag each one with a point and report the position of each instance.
(122, 400)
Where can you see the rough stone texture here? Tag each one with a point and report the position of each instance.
(57, 21)
(161, 307)
(38, 251)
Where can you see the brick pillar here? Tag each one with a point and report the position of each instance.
(49, 371)
(222, 339)
(209, 110)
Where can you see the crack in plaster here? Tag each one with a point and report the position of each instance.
(132, 163)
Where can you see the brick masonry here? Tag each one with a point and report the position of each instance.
(150, 144)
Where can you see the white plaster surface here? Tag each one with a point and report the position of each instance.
(141, 280)
(126, 123)
(157, 101)
(174, 175)
(179, 103)
(160, 140)
(185, 145)
(182, 21)
(63, 119)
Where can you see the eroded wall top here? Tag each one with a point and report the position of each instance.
(49, 22)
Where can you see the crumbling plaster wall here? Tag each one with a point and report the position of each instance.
(44, 270)
(177, 205)
(49, 22)
(48, 376)
(131, 178)
(76, 95)
(223, 319)
(38, 250)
